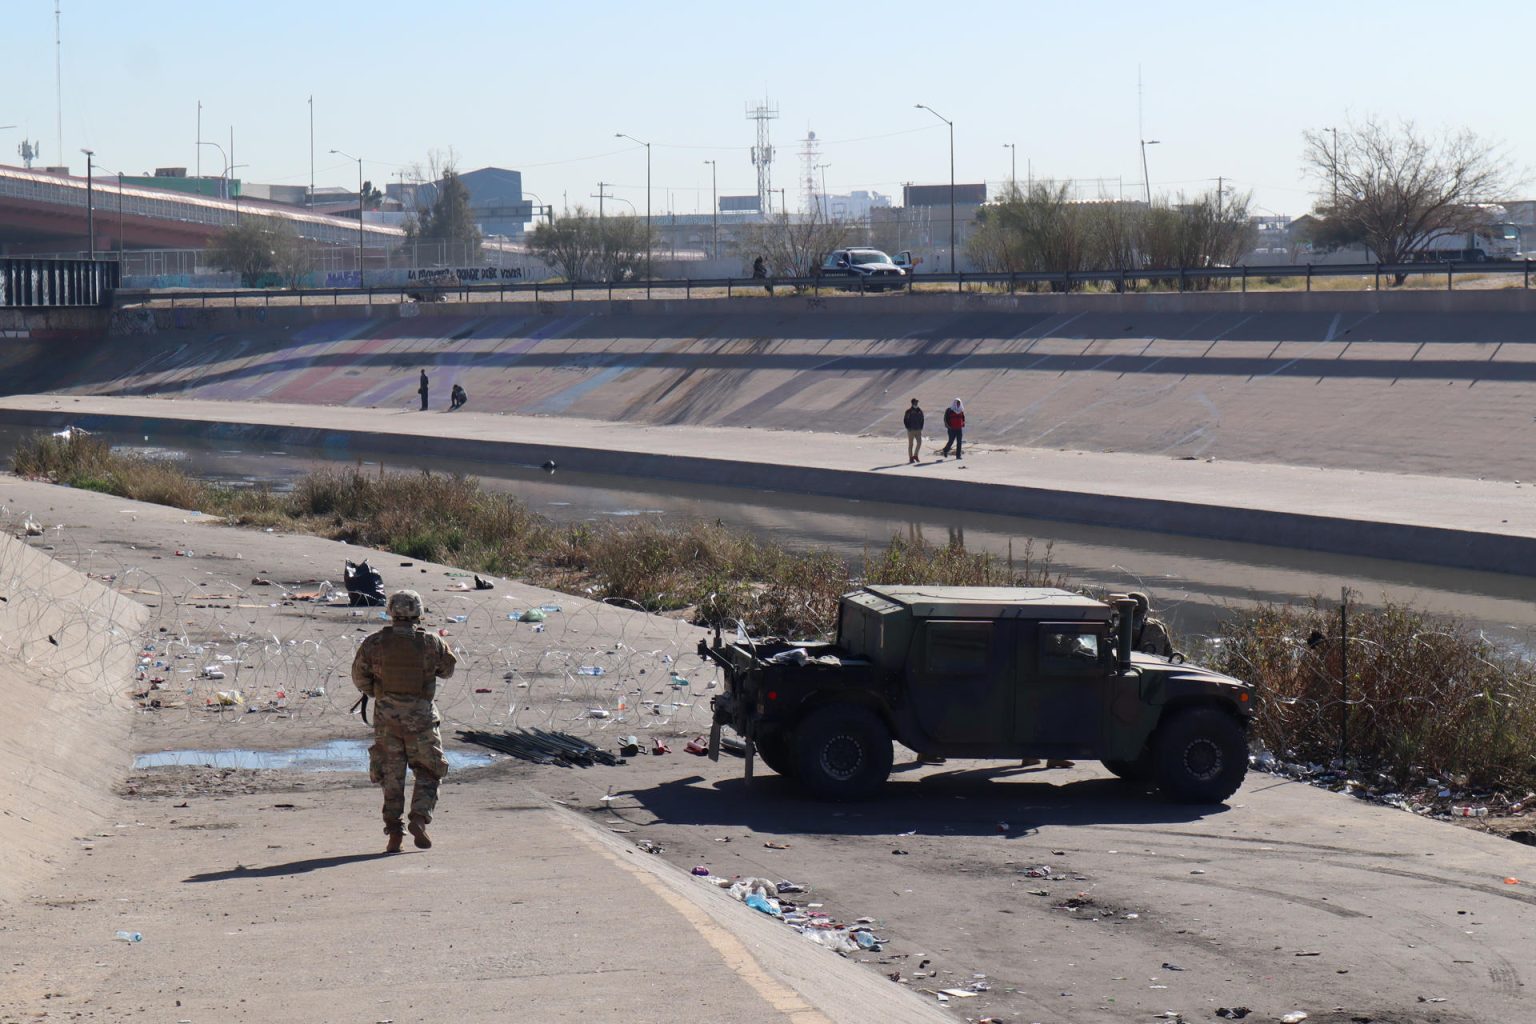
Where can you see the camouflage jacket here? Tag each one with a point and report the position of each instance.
(402, 661)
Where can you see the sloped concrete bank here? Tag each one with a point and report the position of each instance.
(1419, 382)
(67, 649)
(1454, 523)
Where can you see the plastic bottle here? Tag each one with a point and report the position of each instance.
(130, 936)
(1469, 812)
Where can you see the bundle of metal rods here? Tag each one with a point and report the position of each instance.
(541, 747)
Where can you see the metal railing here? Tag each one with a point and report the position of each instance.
(34, 283)
(1181, 279)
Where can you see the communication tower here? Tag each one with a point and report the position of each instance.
(810, 149)
(762, 153)
(28, 151)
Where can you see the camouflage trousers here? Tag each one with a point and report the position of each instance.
(405, 732)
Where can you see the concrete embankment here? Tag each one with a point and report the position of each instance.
(1467, 524)
(64, 736)
(1424, 382)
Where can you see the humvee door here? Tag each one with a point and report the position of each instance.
(961, 680)
(1064, 670)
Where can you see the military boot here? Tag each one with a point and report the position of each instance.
(419, 834)
(396, 837)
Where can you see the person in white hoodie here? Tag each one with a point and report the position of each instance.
(954, 422)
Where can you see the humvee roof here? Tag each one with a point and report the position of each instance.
(984, 602)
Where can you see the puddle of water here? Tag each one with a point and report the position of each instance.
(335, 756)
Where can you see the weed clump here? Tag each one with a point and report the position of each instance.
(1426, 697)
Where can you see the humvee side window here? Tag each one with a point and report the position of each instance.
(1069, 652)
(958, 648)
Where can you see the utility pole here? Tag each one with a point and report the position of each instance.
(311, 198)
(90, 206)
(199, 170)
(602, 229)
(714, 213)
(1013, 165)
(1146, 179)
(1219, 190)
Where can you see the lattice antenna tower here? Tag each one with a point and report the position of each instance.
(29, 151)
(810, 151)
(762, 153)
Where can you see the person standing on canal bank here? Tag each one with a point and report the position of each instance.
(913, 421)
(954, 422)
(399, 667)
(421, 389)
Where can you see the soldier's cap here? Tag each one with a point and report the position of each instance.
(404, 604)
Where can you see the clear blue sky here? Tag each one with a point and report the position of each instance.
(542, 88)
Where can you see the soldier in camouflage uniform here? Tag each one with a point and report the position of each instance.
(399, 667)
(1149, 635)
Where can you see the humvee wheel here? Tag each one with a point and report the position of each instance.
(1200, 756)
(1139, 770)
(775, 752)
(841, 752)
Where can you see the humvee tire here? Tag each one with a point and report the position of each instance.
(841, 752)
(1200, 756)
(775, 751)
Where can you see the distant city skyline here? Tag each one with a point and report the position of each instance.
(1227, 91)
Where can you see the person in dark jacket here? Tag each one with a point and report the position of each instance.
(457, 397)
(954, 422)
(760, 270)
(421, 389)
(913, 421)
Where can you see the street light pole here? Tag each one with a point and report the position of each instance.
(1013, 164)
(714, 212)
(90, 205)
(951, 124)
(1145, 179)
(359, 160)
(647, 145)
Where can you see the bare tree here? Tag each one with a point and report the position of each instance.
(791, 247)
(1393, 188)
(587, 248)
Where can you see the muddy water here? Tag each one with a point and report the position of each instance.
(1192, 580)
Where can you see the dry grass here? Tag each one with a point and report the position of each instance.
(713, 572)
(1426, 697)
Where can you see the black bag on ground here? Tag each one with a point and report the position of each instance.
(365, 587)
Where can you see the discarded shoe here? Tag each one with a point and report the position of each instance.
(1060, 763)
(930, 759)
(1029, 762)
(419, 835)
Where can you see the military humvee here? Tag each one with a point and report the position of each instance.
(980, 672)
